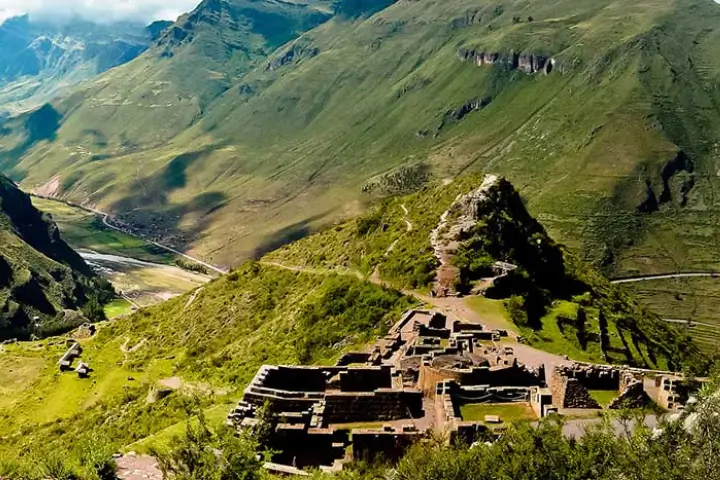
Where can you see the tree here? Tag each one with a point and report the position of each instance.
(206, 454)
(93, 310)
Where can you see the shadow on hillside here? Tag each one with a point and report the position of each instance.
(39, 125)
(286, 235)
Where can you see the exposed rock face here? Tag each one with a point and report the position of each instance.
(292, 55)
(454, 224)
(526, 62)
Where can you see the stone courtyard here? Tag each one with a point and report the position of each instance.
(418, 379)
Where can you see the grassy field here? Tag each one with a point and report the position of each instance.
(494, 310)
(696, 300)
(508, 412)
(603, 397)
(117, 308)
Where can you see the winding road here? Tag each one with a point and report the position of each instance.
(665, 276)
(106, 222)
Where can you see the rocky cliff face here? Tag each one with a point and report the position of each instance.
(40, 275)
(525, 62)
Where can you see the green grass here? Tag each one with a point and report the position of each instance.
(508, 412)
(253, 316)
(117, 308)
(493, 310)
(603, 397)
(84, 230)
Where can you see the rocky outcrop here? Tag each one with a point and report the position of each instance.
(529, 63)
(292, 55)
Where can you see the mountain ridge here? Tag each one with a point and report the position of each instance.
(44, 283)
(293, 135)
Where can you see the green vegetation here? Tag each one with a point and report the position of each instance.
(84, 230)
(557, 301)
(43, 282)
(210, 348)
(117, 308)
(508, 412)
(236, 137)
(603, 397)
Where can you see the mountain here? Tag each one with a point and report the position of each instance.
(41, 278)
(248, 124)
(450, 237)
(308, 303)
(40, 59)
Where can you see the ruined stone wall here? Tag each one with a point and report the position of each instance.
(370, 445)
(425, 331)
(354, 357)
(459, 326)
(381, 405)
(365, 379)
(570, 393)
(511, 376)
(632, 393)
(593, 377)
(299, 379)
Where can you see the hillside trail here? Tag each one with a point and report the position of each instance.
(455, 308)
(664, 276)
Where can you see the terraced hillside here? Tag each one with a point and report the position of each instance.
(251, 123)
(692, 304)
(43, 282)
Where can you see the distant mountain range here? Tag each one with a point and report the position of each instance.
(249, 123)
(40, 60)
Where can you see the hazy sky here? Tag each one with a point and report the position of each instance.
(98, 10)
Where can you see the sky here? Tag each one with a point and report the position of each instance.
(97, 10)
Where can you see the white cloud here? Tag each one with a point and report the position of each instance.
(97, 10)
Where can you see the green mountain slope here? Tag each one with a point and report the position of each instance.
(41, 277)
(602, 113)
(206, 345)
(557, 301)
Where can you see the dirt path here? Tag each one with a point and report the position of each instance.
(665, 276)
(690, 323)
(138, 467)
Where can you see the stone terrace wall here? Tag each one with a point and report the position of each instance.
(568, 392)
(299, 379)
(511, 376)
(365, 379)
(381, 405)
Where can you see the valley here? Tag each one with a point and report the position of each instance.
(361, 239)
(142, 272)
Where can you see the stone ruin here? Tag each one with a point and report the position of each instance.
(635, 387)
(66, 361)
(382, 400)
